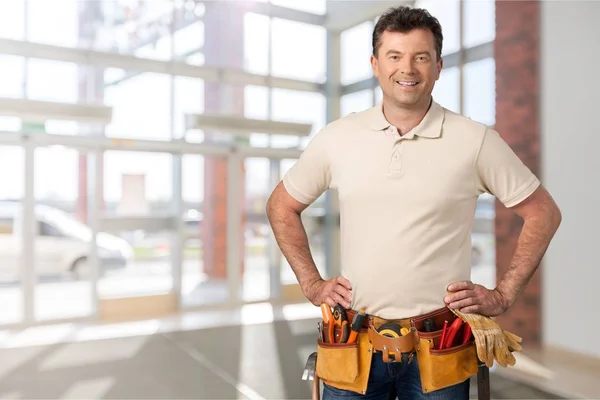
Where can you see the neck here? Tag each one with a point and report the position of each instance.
(403, 118)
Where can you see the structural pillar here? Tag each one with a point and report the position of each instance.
(90, 90)
(517, 55)
(224, 22)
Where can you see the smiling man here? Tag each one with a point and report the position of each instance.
(408, 173)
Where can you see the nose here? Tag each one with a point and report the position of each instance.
(407, 66)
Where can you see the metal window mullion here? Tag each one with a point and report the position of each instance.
(25, 38)
(234, 228)
(95, 197)
(461, 59)
(273, 253)
(177, 235)
(28, 233)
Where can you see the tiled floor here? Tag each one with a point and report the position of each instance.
(235, 361)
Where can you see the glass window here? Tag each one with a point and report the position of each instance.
(11, 78)
(189, 98)
(448, 13)
(256, 106)
(203, 276)
(11, 124)
(295, 106)
(12, 159)
(480, 91)
(151, 173)
(312, 6)
(141, 107)
(159, 49)
(56, 161)
(52, 24)
(356, 51)
(256, 43)
(356, 102)
(188, 40)
(139, 184)
(299, 50)
(62, 87)
(447, 89)
(12, 19)
(479, 22)
(62, 127)
(140, 27)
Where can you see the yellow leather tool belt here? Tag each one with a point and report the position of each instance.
(347, 365)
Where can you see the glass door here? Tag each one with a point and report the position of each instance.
(258, 185)
(12, 158)
(62, 236)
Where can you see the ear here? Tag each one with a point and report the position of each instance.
(440, 65)
(375, 65)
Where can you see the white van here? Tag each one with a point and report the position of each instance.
(62, 244)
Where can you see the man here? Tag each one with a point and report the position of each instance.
(408, 173)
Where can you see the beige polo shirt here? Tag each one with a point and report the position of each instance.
(407, 203)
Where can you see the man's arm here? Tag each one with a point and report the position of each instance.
(542, 218)
(283, 212)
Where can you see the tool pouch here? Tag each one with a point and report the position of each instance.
(394, 349)
(442, 368)
(345, 366)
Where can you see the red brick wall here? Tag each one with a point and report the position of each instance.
(517, 56)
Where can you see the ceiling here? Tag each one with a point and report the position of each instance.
(343, 14)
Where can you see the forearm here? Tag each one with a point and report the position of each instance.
(535, 237)
(292, 239)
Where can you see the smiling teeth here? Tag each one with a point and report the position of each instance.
(406, 83)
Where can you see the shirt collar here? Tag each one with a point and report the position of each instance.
(429, 127)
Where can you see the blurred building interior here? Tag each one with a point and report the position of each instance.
(136, 259)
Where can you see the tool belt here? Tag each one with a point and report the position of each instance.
(345, 364)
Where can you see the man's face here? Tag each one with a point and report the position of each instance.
(407, 66)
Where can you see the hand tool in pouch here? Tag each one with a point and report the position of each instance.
(327, 319)
(340, 319)
(310, 374)
(451, 334)
(357, 322)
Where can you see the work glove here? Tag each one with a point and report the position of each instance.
(491, 341)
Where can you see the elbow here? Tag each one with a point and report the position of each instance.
(556, 217)
(269, 208)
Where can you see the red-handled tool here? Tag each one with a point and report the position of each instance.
(443, 338)
(328, 319)
(451, 334)
(357, 322)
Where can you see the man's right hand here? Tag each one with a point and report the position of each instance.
(332, 292)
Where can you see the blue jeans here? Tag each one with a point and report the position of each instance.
(400, 377)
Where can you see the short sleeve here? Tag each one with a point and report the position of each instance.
(310, 176)
(500, 172)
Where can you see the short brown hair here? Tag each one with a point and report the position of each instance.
(405, 19)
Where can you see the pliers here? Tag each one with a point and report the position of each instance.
(337, 318)
(328, 337)
(340, 319)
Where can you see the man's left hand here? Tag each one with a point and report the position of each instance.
(468, 297)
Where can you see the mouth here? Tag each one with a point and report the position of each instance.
(407, 83)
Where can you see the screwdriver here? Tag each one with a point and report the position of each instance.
(357, 323)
